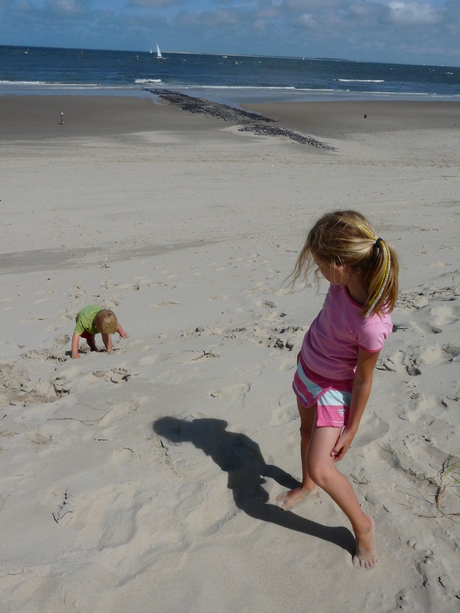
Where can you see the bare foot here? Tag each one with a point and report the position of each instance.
(294, 497)
(365, 556)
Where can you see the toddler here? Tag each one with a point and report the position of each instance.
(93, 320)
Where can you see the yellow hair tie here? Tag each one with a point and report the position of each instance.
(367, 231)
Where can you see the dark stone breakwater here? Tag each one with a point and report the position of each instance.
(248, 122)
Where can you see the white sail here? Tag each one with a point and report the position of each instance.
(159, 56)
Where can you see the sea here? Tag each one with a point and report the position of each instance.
(222, 78)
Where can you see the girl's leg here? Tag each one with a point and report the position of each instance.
(308, 487)
(107, 340)
(321, 469)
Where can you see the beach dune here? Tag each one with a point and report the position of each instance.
(146, 480)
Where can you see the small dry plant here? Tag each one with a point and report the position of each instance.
(448, 475)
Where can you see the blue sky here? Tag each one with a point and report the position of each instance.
(421, 32)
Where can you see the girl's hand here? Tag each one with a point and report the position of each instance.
(342, 445)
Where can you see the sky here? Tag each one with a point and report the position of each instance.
(413, 32)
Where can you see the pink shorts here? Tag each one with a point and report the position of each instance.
(331, 397)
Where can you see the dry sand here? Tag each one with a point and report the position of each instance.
(145, 480)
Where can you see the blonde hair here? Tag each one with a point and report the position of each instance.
(347, 238)
(106, 322)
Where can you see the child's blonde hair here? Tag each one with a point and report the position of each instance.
(347, 238)
(106, 322)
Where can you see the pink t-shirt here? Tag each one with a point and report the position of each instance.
(330, 347)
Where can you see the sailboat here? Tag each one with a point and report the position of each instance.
(159, 56)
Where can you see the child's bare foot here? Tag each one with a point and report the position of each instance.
(294, 497)
(365, 556)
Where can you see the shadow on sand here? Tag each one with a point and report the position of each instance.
(242, 459)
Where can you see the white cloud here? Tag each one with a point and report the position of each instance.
(409, 13)
(69, 8)
(307, 20)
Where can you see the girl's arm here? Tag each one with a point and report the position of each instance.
(362, 385)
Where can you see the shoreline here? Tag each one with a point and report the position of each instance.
(232, 95)
(335, 119)
(38, 117)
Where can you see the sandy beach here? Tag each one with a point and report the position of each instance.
(146, 480)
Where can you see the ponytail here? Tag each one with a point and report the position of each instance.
(381, 276)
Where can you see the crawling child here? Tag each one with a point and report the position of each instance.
(93, 320)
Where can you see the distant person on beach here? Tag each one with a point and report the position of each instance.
(93, 320)
(338, 355)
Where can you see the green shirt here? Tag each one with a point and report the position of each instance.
(85, 319)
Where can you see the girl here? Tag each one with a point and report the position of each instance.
(339, 352)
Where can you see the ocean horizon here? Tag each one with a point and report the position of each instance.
(228, 78)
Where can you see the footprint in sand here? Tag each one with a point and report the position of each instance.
(223, 297)
(453, 351)
(423, 408)
(288, 363)
(122, 455)
(424, 328)
(198, 356)
(18, 388)
(108, 516)
(149, 359)
(118, 412)
(400, 362)
(163, 304)
(37, 438)
(257, 289)
(416, 457)
(62, 387)
(58, 355)
(435, 354)
(412, 301)
(284, 414)
(113, 375)
(373, 429)
(233, 390)
(64, 339)
(443, 314)
(439, 582)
